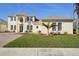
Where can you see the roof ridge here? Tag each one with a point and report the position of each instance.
(24, 14)
(56, 17)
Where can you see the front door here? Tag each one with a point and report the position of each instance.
(21, 27)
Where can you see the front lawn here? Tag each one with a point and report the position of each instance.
(56, 41)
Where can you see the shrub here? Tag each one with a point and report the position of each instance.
(74, 31)
(59, 33)
(39, 31)
(26, 31)
(65, 33)
(52, 33)
(30, 31)
(7, 31)
(55, 33)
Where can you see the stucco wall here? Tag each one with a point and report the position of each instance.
(3, 27)
(35, 29)
(11, 23)
(67, 27)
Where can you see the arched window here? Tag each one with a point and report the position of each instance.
(20, 19)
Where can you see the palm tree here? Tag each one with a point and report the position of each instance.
(48, 26)
(77, 11)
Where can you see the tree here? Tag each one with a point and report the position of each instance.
(48, 26)
(77, 11)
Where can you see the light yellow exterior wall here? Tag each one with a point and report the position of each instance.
(67, 27)
(3, 27)
(39, 28)
(44, 29)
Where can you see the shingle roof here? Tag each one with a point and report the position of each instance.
(37, 23)
(2, 21)
(57, 18)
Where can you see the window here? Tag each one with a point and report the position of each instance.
(21, 19)
(11, 18)
(54, 27)
(27, 18)
(11, 27)
(31, 27)
(14, 18)
(59, 26)
(27, 27)
(37, 27)
(30, 18)
(14, 27)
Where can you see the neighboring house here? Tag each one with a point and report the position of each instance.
(27, 23)
(3, 25)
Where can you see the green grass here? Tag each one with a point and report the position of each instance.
(36, 41)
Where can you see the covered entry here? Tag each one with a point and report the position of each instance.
(21, 27)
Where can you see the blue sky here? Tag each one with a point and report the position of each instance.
(40, 10)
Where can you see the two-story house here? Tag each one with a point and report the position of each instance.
(27, 23)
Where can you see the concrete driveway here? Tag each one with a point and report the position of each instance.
(7, 37)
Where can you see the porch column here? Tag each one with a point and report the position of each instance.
(23, 24)
(17, 29)
(56, 27)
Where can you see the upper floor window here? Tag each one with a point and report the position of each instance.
(27, 18)
(59, 26)
(54, 27)
(11, 18)
(14, 18)
(30, 18)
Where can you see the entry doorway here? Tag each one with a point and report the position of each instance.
(21, 27)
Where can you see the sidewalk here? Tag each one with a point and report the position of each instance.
(39, 51)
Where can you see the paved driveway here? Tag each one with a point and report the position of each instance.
(7, 37)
